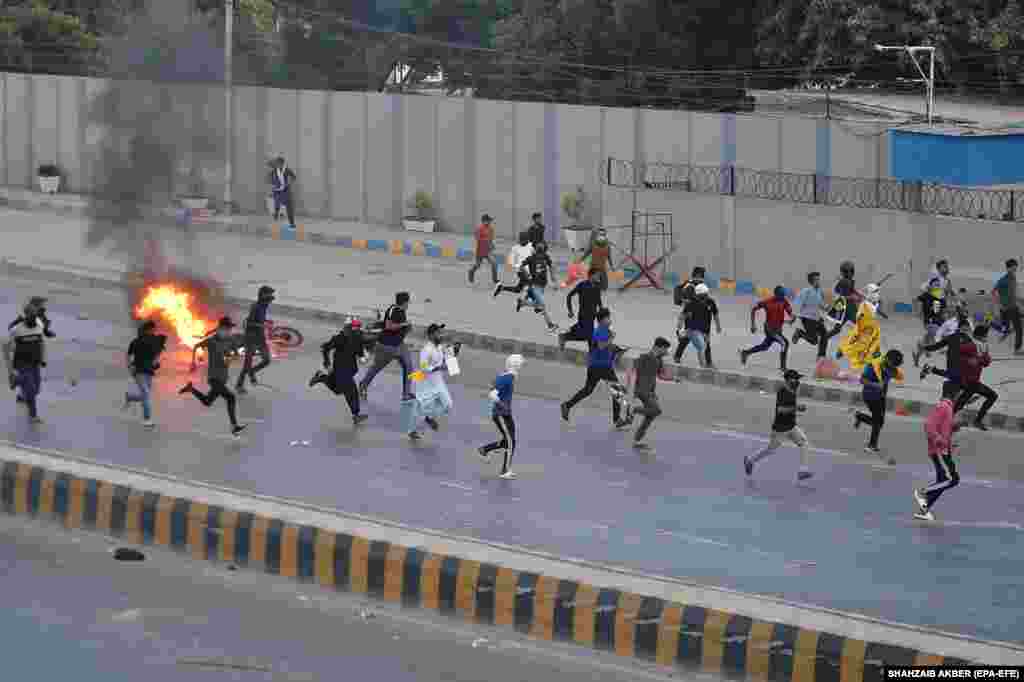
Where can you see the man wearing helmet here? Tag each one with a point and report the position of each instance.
(784, 426)
(256, 337)
(777, 310)
(25, 356)
(501, 413)
(696, 320)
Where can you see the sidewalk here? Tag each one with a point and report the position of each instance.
(361, 236)
(332, 282)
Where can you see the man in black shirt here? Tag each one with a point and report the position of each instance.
(648, 367)
(391, 346)
(536, 232)
(696, 318)
(847, 299)
(24, 356)
(217, 347)
(952, 345)
(256, 338)
(349, 348)
(683, 294)
(39, 303)
(143, 362)
(784, 425)
(540, 269)
(589, 293)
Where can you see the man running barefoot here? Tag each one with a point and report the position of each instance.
(217, 348)
(785, 426)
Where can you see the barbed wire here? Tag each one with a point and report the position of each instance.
(809, 188)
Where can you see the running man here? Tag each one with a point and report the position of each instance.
(256, 338)
(516, 258)
(600, 367)
(776, 310)
(432, 396)
(953, 344)
(540, 270)
(391, 346)
(940, 428)
(696, 318)
(877, 375)
(589, 293)
(810, 305)
(24, 357)
(682, 295)
(349, 346)
(39, 303)
(143, 361)
(847, 299)
(786, 407)
(934, 308)
(217, 348)
(648, 367)
(1004, 293)
(974, 358)
(485, 249)
(501, 414)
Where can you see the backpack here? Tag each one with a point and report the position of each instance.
(684, 293)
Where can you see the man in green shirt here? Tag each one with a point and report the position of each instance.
(1005, 295)
(648, 366)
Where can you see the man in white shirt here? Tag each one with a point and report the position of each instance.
(517, 259)
(432, 396)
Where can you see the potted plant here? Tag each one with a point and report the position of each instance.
(424, 220)
(574, 207)
(49, 178)
(195, 199)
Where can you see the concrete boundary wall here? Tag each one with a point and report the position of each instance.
(363, 155)
(689, 627)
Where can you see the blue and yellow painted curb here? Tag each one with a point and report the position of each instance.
(683, 636)
(399, 247)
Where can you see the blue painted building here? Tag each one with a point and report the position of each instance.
(954, 156)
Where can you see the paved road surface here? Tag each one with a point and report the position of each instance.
(846, 541)
(72, 612)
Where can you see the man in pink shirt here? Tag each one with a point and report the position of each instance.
(939, 427)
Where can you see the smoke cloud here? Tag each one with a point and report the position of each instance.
(159, 135)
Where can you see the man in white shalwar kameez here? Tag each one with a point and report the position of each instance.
(432, 397)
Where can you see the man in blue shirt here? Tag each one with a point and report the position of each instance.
(1005, 295)
(501, 414)
(810, 304)
(600, 367)
(256, 338)
(877, 375)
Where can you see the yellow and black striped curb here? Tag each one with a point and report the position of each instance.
(551, 353)
(681, 636)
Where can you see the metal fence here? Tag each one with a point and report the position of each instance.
(808, 188)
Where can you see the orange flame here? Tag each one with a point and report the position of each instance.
(177, 307)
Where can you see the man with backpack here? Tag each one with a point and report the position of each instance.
(682, 295)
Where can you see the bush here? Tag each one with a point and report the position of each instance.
(572, 205)
(424, 203)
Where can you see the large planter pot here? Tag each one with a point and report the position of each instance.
(577, 236)
(419, 225)
(195, 202)
(49, 184)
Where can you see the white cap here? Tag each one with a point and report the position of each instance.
(514, 363)
(701, 289)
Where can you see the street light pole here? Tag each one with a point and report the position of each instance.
(928, 80)
(229, 147)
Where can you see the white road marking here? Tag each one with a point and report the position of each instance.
(448, 484)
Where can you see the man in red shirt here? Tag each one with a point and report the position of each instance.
(974, 358)
(485, 248)
(776, 309)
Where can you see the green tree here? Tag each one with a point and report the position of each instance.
(35, 37)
